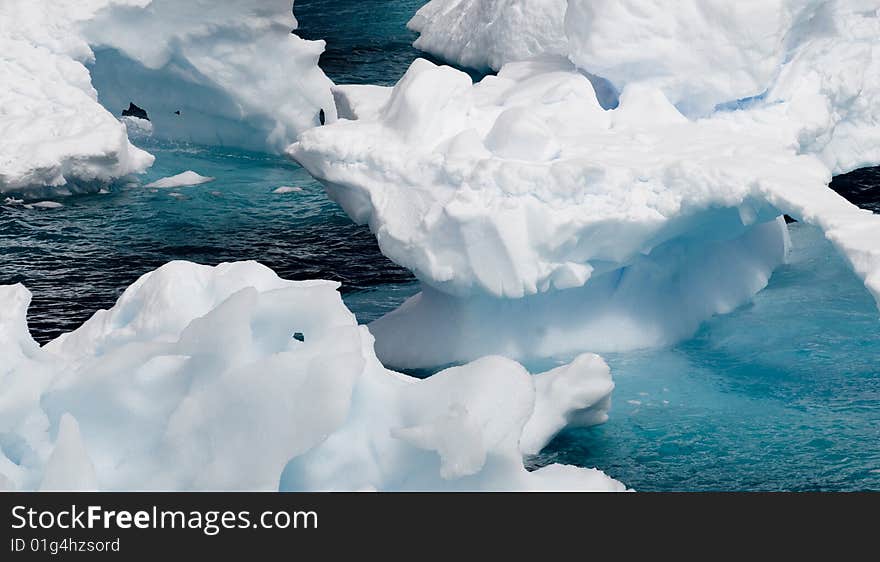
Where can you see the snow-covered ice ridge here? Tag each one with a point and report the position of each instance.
(822, 57)
(543, 223)
(233, 70)
(486, 34)
(699, 53)
(230, 378)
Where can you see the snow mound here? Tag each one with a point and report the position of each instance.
(486, 34)
(182, 179)
(542, 224)
(230, 378)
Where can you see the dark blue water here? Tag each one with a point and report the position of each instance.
(782, 394)
(367, 40)
(78, 259)
(861, 187)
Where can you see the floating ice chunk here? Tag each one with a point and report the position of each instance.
(182, 179)
(194, 381)
(523, 205)
(44, 205)
(233, 70)
(286, 189)
(228, 73)
(69, 467)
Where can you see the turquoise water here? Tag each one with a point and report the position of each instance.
(781, 394)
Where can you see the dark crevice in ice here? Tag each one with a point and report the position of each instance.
(860, 187)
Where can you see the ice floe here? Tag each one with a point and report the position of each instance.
(196, 380)
(182, 179)
(286, 189)
(541, 223)
(228, 73)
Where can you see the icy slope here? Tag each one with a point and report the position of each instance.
(232, 378)
(830, 85)
(233, 71)
(541, 224)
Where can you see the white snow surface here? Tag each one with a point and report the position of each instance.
(822, 56)
(183, 179)
(194, 381)
(698, 52)
(357, 101)
(542, 224)
(233, 69)
(53, 132)
(486, 34)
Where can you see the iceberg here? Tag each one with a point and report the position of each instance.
(230, 378)
(53, 132)
(219, 73)
(542, 224)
